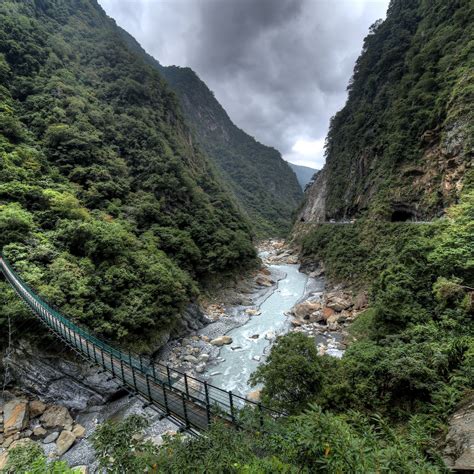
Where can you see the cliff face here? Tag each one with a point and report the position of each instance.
(314, 208)
(402, 146)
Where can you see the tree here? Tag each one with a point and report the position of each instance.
(292, 375)
(15, 224)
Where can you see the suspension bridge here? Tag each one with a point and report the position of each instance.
(192, 403)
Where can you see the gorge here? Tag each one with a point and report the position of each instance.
(341, 320)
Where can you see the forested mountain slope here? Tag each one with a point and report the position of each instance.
(402, 145)
(262, 181)
(107, 208)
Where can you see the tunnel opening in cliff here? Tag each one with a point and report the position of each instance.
(402, 215)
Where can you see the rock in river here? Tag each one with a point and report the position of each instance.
(222, 340)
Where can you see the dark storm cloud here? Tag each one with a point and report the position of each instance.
(279, 67)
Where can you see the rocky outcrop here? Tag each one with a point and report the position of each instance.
(314, 208)
(29, 421)
(459, 450)
(58, 378)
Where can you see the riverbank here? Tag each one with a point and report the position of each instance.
(238, 337)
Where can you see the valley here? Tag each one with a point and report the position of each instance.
(171, 300)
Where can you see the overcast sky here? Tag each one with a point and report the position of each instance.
(279, 67)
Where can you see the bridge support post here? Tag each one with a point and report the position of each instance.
(260, 414)
(102, 357)
(186, 384)
(208, 406)
(134, 379)
(121, 369)
(168, 373)
(165, 399)
(147, 377)
(231, 404)
(112, 364)
(87, 349)
(185, 410)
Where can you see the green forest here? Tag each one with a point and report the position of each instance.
(107, 209)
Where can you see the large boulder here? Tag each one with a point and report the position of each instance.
(306, 309)
(338, 301)
(264, 281)
(222, 340)
(15, 416)
(254, 396)
(37, 408)
(327, 313)
(79, 431)
(64, 442)
(56, 416)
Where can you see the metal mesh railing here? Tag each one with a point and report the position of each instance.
(191, 401)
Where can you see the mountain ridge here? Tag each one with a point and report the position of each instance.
(304, 174)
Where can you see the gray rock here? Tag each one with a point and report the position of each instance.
(65, 440)
(56, 379)
(191, 358)
(200, 368)
(39, 431)
(459, 451)
(51, 438)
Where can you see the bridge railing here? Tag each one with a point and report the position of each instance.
(214, 401)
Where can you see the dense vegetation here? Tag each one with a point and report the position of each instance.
(261, 180)
(405, 136)
(384, 405)
(106, 206)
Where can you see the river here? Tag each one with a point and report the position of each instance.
(253, 339)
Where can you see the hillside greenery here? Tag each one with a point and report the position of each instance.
(107, 208)
(405, 135)
(383, 407)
